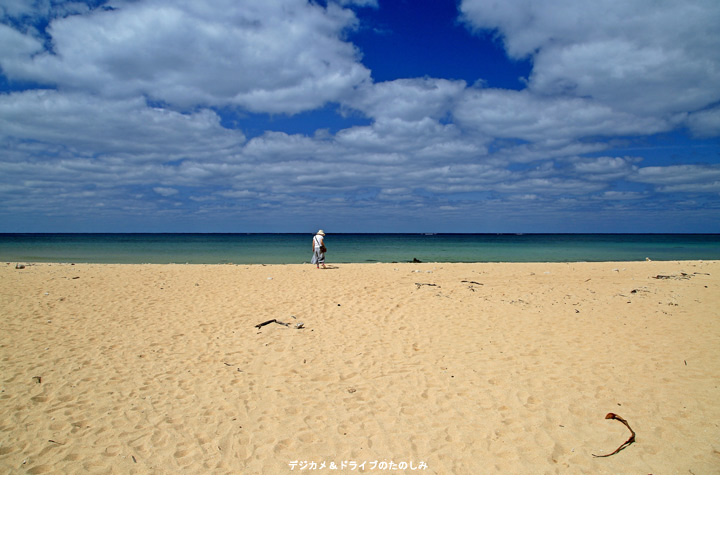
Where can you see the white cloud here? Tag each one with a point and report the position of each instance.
(238, 194)
(545, 151)
(16, 48)
(622, 195)
(284, 56)
(94, 153)
(31, 10)
(395, 136)
(710, 187)
(408, 99)
(113, 135)
(638, 56)
(86, 125)
(524, 115)
(15, 8)
(166, 191)
(705, 123)
(546, 186)
(604, 168)
(682, 177)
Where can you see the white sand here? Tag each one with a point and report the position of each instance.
(159, 369)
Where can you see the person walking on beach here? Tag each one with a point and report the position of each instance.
(319, 249)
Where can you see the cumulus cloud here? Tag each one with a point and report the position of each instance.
(28, 11)
(527, 116)
(85, 125)
(705, 123)
(166, 191)
(408, 99)
(638, 56)
(622, 195)
(682, 177)
(133, 119)
(704, 187)
(285, 56)
(13, 9)
(604, 168)
(17, 47)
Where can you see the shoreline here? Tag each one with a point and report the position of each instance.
(366, 263)
(470, 368)
(360, 248)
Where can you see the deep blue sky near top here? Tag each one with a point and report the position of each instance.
(360, 116)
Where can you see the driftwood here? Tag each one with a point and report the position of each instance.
(271, 321)
(682, 275)
(612, 416)
(473, 282)
(426, 284)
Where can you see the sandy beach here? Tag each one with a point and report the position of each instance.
(377, 368)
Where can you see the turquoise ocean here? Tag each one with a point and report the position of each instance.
(354, 248)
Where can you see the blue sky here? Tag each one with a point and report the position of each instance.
(360, 116)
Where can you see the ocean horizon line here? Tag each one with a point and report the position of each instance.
(330, 232)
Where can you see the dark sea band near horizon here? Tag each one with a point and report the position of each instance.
(295, 248)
